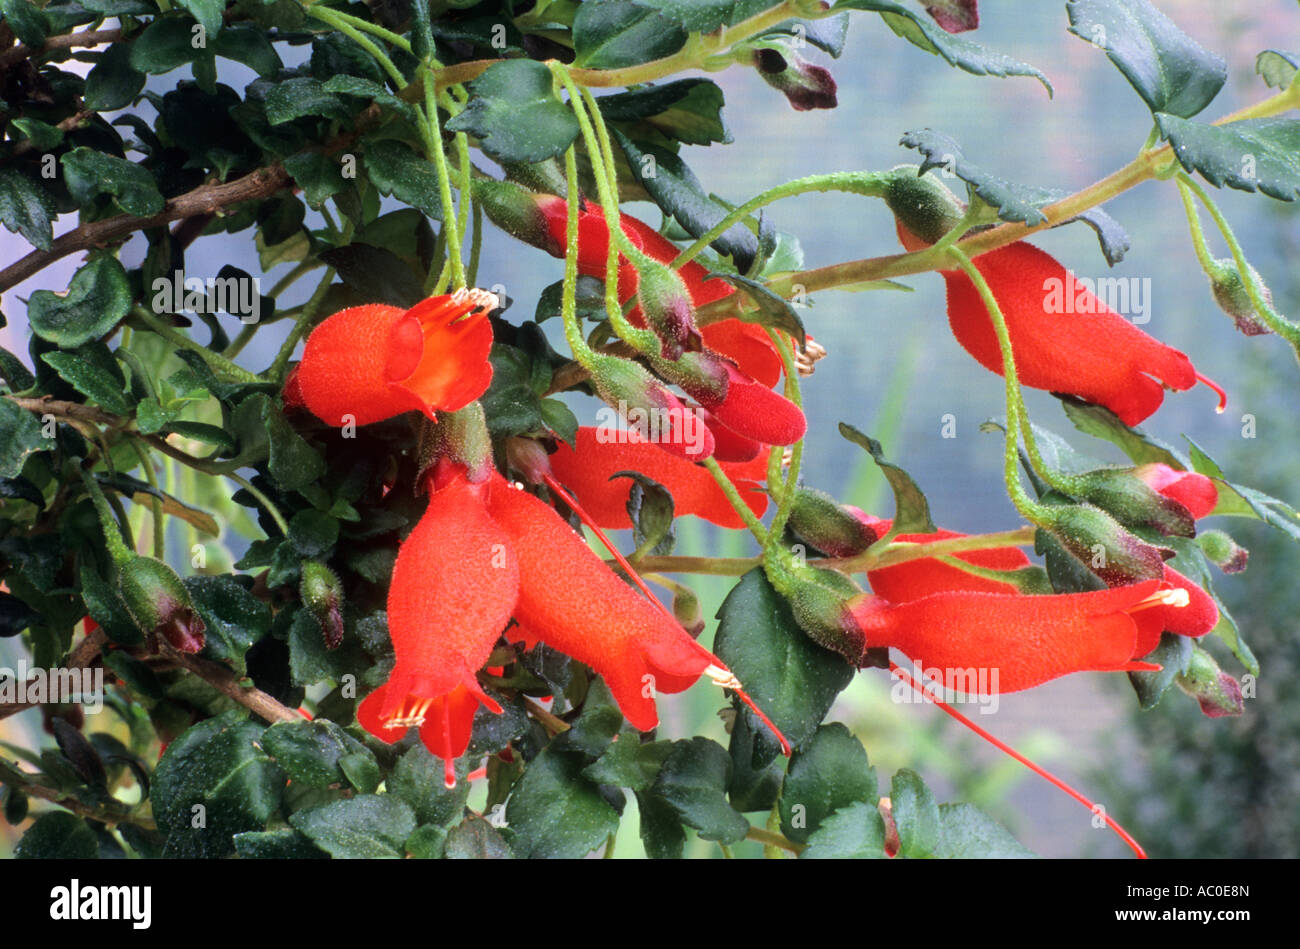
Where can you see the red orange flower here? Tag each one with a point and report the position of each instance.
(1082, 348)
(368, 363)
(1193, 491)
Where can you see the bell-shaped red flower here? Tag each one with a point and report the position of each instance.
(1028, 640)
(1064, 338)
(603, 452)
(368, 363)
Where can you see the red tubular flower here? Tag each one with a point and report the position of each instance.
(1027, 639)
(733, 399)
(1193, 491)
(599, 456)
(1082, 347)
(570, 600)
(453, 587)
(1195, 618)
(368, 363)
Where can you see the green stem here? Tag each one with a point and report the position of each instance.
(786, 499)
(729, 489)
(218, 363)
(262, 499)
(771, 839)
(159, 528)
(305, 323)
(352, 27)
(569, 293)
(431, 130)
(705, 566)
(1199, 243)
(902, 551)
(1272, 319)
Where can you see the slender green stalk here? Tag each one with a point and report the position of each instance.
(569, 293)
(1271, 318)
(156, 508)
(786, 500)
(1199, 243)
(218, 363)
(118, 547)
(351, 27)
(729, 489)
(431, 130)
(262, 499)
(902, 551)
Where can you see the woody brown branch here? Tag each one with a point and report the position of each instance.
(86, 652)
(66, 41)
(225, 682)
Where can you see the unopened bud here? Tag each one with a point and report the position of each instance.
(523, 214)
(1131, 501)
(1233, 298)
(688, 611)
(1194, 491)
(743, 405)
(666, 303)
(1218, 693)
(322, 594)
(925, 209)
(1103, 545)
(528, 456)
(818, 520)
(159, 603)
(1223, 551)
(629, 388)
(819, 601)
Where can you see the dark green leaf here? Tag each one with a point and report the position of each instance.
(1101, 422)
(628, 762)
(1013, 202)
(93, 372)
(15, 374)
(317, 174)
(313, 532)
(678, 192)
(367, 827)
(476, 839)
(650, 507)
(26, 20)
(1250, 155)
(114, 82)
(245, 43)
(662, 833)
(970, 833)
(207, 12)
(856, 832)
(617, 33)
(791, 678)
(827, 773)
(310, 752)
(166, 43)
(773, 309)
(98, 296)
(506, 91)
(42, 135)
(916, 815)
(911, 510)
(689, 110)
(89, 173)
(214, 782)
(1170, 70)
(20, 436)
(693, 782)
(419, 780)
(26, 208)
(954, 50)
(302, 96)
(235, 619)
(283, 844)
(377, 275)
(1173, 654)
(1270, 510)
(556, 812)
(58, 835)
(15, 615)
(395, 169)
(598, 723)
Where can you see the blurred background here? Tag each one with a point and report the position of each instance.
(1183, 784)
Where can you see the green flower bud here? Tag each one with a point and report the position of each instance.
(922, 204)
(643, 401)
(1102, 545)
(519, 213)
(688, 611)
(666, 304)
(1218, 693)
(1233, 298)
(1222, 550)
(159, 603)
(322, 594)
(818, 520)
(1131, 501)
(819, 601)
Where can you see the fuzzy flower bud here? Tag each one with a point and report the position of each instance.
(1218, 693)
(1231, 295)
(835, 530)
(159, 603)
(322, 594)
(1107, 549)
